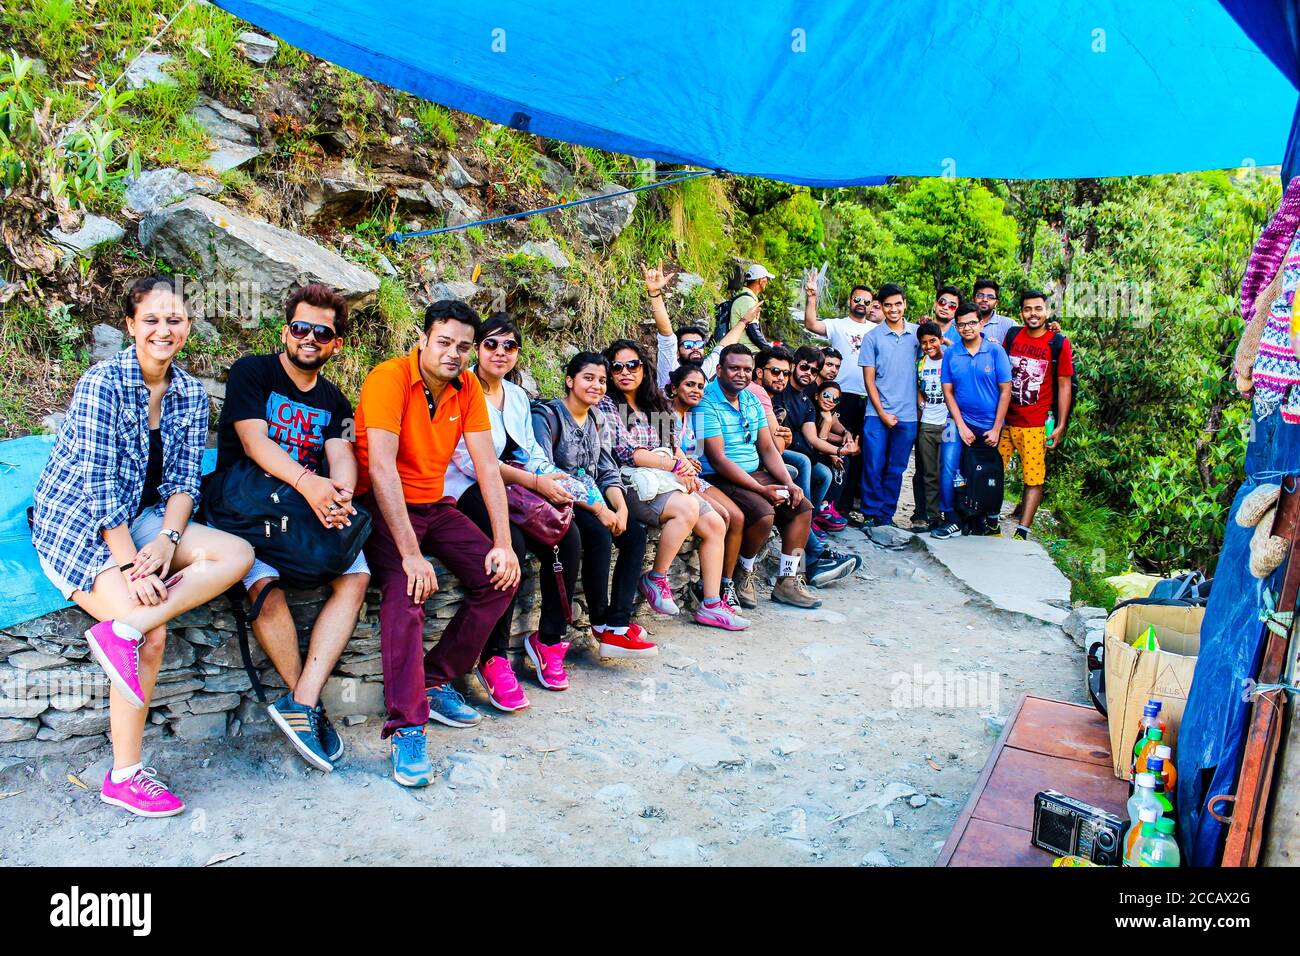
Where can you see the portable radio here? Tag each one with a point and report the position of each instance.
(1069, 827)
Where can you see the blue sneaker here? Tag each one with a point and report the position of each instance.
(410, 757)
(330, 741)
(301, 724)
(447, 706)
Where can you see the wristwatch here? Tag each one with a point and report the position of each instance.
(173, 536)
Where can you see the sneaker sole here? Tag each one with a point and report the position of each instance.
(406, 781)
(720, 625)
(319, 761)
(609, 650)
(114, 802)
(114, 677)
(807, 607)
(447, 721)
(653, 600)
(537, 664)
(830, 577)
(487, 689)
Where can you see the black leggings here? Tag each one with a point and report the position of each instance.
(551, 626)
(608, 609)
(852, 409)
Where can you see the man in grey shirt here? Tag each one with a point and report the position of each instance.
(995, 325)
(888, 358)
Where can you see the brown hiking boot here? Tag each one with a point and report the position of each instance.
(746, 585)
(793, 589)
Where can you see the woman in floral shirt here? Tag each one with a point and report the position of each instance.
(642, 436)
(111, 522)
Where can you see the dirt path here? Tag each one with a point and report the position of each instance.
(805, 740)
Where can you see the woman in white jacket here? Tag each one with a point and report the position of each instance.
(523, 462)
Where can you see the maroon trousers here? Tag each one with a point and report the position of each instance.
(462, 548)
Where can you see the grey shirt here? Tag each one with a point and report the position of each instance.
(576, 446)
(894, 356)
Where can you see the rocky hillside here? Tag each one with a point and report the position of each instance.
(250, 167)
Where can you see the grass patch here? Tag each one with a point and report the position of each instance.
(436, 123)
(1088, 542)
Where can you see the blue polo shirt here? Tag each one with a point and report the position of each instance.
(975, 380)
(738, 427)
(894, 356)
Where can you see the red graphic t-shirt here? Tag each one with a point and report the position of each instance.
(1031, 371)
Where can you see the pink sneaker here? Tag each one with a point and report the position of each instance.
(142, 794)
(658, 593)
(117, 648)
(549, 661)
(503, 690)
(719, 615)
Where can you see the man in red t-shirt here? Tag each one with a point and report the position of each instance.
(1042, 370)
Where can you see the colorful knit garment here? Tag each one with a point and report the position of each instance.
(1277, 370)
(1270, 247)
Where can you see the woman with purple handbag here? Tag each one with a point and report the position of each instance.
(541, 516)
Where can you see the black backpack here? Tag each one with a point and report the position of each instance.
(1056, 345)
(722, 324)
(981, 495)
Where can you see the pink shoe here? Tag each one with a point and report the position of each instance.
(658, 593)
(549, 661)
(142, 794)
(503, 690)
(719, 615)
(117, 648)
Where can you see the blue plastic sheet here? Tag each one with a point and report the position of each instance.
(832, 93)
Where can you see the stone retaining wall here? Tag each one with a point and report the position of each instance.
(54, 697)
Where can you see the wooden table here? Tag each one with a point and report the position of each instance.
(1046, 745)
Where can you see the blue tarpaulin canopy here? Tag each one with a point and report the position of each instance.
(838, 92)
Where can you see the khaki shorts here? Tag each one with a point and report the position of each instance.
(1031, 443)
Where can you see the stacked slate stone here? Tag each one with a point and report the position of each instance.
(54, 697)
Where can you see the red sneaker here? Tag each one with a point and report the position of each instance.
(631, 644)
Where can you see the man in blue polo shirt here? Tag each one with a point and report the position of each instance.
(888, 358)
(743, 462)
(976, 379)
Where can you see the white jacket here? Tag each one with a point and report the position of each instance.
(514, 421)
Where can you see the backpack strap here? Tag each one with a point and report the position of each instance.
(236, 596)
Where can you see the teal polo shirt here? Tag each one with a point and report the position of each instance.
(738, 427)
(975, 381)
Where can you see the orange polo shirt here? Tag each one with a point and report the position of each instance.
(393, 399)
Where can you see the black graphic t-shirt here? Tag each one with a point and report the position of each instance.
(299, 422)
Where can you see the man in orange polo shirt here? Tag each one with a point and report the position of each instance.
(413, 411)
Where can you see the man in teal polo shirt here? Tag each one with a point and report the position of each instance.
(976, 379)
(744, 463)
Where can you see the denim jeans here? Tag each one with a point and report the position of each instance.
(884, 459)
(813, 479)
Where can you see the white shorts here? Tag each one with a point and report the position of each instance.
(261, 569)
(144, 528)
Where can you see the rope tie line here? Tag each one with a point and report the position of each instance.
(691, 174)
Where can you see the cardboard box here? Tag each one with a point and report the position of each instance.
(1133, 677)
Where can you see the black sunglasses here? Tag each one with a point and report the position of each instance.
(778, 372)
(506, 345)
(805, 367)
(323, 333)
(631, 365)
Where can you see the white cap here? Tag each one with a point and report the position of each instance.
(1163, 752)
(1147, 814)
(1147, 780)
(756, 272)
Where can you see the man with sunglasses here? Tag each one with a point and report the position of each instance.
(688, 343)
(296, 425)
(846, 335)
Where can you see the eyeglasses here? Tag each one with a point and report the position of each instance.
(968, 325)
(805, 367)
(947, 303)
(692, 344)
(778, 372)
(861, 300)
(323, 333)
(632, 365)
(506, 345)
(986, 295)
(831, 397)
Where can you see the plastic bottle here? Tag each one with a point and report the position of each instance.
(1144, 796)
(1160, 849)
(1156, 767)
(1049, 428)
(1145, 827)
(1148, 750)
(1150, 718)
(1166, 753)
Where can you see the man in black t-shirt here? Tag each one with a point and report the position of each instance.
(297, 426)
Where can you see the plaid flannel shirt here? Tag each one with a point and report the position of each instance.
(95, 475)
(629, 430)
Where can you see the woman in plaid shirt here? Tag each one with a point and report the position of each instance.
(111, 522)
(642, 436)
